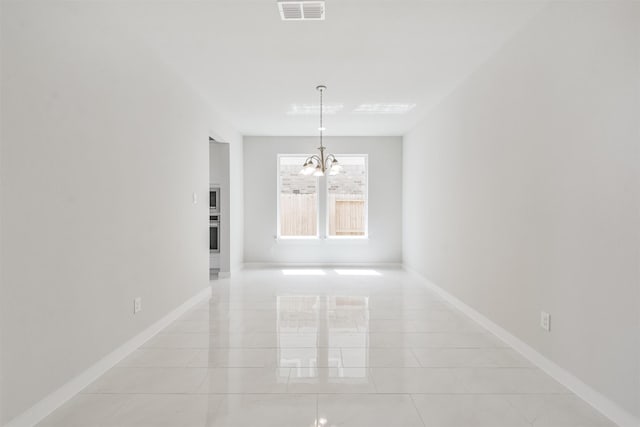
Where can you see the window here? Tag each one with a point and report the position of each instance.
(331, 206)
(347, 198)
(297, 199)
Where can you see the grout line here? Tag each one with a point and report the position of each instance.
(417, 411)
(204, 380)
(375, 386)
(326, 393)
(288, 380)
(519, 412)
(416, 357)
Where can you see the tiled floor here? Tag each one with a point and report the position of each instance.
(305, 348)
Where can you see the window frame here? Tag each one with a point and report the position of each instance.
(322, 198)
(279, 235)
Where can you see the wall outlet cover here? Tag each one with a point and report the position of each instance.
(545, 321)
(137, 305)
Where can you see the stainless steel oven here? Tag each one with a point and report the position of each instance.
(214, 233)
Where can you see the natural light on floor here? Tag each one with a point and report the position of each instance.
(303, 272)
(352, 272)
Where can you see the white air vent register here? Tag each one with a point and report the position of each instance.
(305, 10)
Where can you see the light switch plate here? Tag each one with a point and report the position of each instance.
(137, 305)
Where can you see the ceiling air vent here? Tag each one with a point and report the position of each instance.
(306, 10)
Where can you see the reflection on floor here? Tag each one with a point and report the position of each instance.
(309, 331)
(322, 348)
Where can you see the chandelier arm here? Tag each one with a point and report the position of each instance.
(327, 163)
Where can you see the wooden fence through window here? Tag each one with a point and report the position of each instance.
(298, 214)
(346, 215)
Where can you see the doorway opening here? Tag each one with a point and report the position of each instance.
(219, 212)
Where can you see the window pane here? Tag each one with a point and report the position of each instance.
(298, 199)
(347, 198)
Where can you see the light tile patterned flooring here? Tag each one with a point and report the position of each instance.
(317, 348)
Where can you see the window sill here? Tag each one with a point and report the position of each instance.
(321, 240)
(296, 239)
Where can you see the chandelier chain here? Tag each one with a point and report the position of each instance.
(321, 108)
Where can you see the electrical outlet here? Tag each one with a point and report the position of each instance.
(137, 305)
(545, 321)
(194, 198)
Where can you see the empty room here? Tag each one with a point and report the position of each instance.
(306, 213)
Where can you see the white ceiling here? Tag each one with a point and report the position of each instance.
(252, 67)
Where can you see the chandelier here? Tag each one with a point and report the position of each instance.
(318, 165)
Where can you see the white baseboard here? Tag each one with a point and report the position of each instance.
(594, 398)
(259, 265)
(44, 407)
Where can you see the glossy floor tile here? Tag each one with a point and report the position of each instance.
(417, 380)
(456, 410)
(270, 410)
(167, 410)
(87, 410)
(129, 380)
(337, 380)
(346, 349)
(356, 410)
(245, 380)
(555, 410)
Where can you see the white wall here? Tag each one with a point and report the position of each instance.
(385, 202)
(102, 147)
(522, 192)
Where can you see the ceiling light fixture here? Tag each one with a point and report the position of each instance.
(317, 165)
